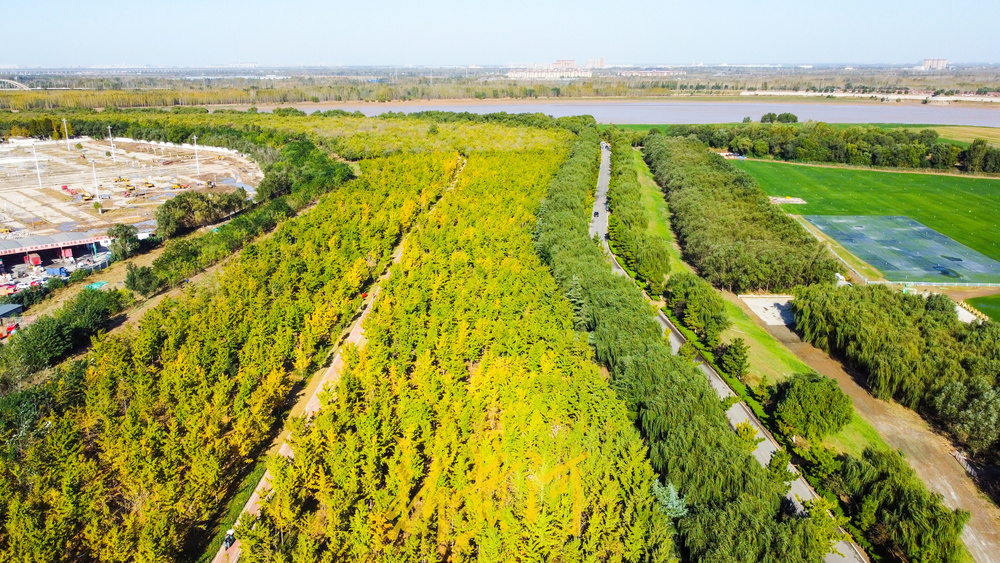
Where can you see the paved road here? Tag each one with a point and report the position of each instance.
(329, 380)
(739, 412)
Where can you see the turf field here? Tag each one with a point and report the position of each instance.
(904, 250)
(989, 306)
(966, 210)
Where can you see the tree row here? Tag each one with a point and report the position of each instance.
(727, 227)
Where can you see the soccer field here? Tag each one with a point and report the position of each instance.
(966, 210)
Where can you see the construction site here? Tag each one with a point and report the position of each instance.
(59, 198)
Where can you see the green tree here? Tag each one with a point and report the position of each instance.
(734, 358)
(124, 241)
(142, 280)
(812, 406)
(778, 471)
(581, 309)
(975, 155)
(277, 182)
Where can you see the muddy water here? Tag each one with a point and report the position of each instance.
(656, 111)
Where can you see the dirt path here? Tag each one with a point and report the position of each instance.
(928, 452)
(968, 293)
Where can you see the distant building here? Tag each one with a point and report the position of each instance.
(650, 73)
(935, 64)
(596, 63)
(550, 74)
(564, 63)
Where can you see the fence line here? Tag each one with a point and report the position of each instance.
(937, 284)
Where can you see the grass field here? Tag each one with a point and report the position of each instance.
(769, 358)
(656, 205)
(989, 306)
(961, 135)
(964, 209)
(965, 134)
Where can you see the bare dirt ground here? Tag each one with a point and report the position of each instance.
(961, 294)
(926, 450)
(32, 201)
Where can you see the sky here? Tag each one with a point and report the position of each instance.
(452, 32)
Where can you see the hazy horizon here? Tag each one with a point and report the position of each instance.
(451, 33)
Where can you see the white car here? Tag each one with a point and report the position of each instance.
(23, 285)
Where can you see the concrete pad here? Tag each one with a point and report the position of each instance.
(964, 316)
(774, 310)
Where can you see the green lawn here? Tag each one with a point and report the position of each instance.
(656, 205)
(989, 306)
(855, 437)
(964, 209)
(768, 357)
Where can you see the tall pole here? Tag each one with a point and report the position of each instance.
(197, 166)
(37, 171)
(94, 168)
(66, 132)
(113, 159)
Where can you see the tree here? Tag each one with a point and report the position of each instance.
(769, 117)
(142, 280)
(741, 145)
(124, 241)
(975, 155)
(787, 118)
(813, 406)
(778, 468)
(979, 421)
(747, 434)
(670, 502)
(761, 148)
(277, 182)
(581, 309)
(827, 524)
(735, 358)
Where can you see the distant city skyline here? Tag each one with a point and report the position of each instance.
(189, 33)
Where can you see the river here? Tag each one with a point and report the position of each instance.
(670, 111)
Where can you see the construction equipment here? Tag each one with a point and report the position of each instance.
(149, 184)
(87, 197)
(121, 179)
